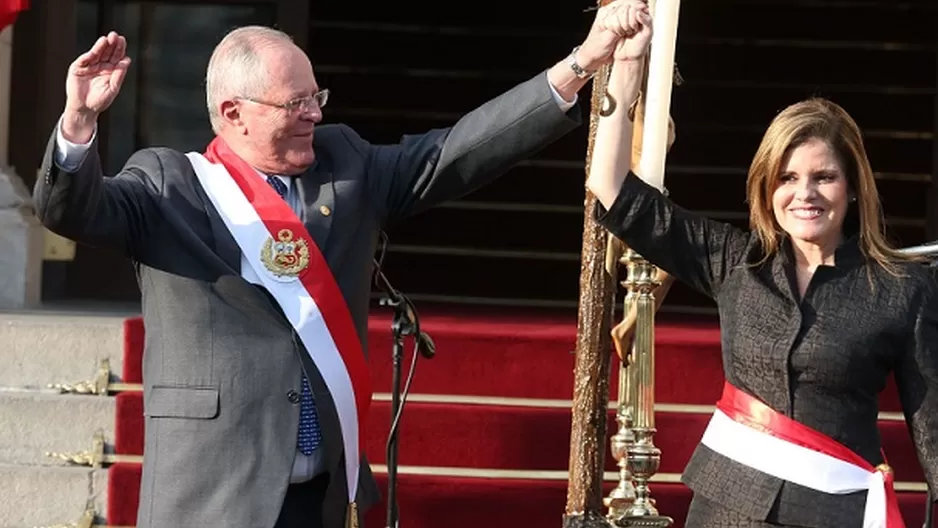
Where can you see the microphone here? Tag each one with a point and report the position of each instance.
(426, 346)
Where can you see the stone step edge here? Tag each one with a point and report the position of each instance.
(89, 504)
(457, 399)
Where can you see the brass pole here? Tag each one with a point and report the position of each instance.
(637, 456)
(643, 457)
(621, 498)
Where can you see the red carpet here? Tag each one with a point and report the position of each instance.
(509, 357)
(431, 501)
(520, 357)
(501, 437)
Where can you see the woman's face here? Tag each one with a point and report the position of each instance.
(810, 201)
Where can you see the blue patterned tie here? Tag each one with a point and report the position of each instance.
(278, 186)
(309, 436)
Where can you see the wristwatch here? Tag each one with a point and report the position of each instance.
(577, 69)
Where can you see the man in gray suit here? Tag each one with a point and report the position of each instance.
(256, 307)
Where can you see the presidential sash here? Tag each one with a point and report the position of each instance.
(291, 267)
(750, 432)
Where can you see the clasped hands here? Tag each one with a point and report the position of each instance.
(621, 31)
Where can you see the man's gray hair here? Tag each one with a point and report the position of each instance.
(235, 69)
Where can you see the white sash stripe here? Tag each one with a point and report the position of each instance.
(794, 463)
(301, 310)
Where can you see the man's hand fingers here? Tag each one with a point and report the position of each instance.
(618, 21)
(117, 77)
(100, 49)
(110, 53)
(635, 23)
(85, 60)
(123, 45)
(120, 50)
(108, 50)
(645, 19)
(98, 52)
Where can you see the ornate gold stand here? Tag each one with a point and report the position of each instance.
(633, 446)
(620, 499)
(96, 457)
(101, 385)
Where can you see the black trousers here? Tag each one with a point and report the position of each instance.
(302, 507)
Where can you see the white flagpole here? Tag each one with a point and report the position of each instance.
(665, 14)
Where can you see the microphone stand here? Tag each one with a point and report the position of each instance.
(406, 322)
(929, 509)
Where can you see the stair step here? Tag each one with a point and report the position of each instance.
(820, 22)
(35, 496)
(32, 424)
(479, 498)
(740, 60)
(40, 348)
(506, 226)
(777, 20)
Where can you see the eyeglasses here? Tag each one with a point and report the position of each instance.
(304, 104)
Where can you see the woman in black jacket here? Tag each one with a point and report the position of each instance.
(816, 311)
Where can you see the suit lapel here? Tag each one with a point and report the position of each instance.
(316, 190)
(224, 244)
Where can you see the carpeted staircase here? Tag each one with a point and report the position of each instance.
(486, 432)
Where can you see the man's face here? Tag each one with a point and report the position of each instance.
(277, 125)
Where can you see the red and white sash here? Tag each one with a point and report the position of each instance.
(291, 267)
(750, 432)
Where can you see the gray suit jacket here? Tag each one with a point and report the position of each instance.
(220, 360)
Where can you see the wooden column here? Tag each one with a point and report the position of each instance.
(588, 445)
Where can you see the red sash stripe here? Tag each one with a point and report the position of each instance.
(317, 278)
(745, 409)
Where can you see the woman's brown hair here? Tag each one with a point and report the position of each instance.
(817, 118)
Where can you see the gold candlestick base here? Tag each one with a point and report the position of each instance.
(644, 460)
(645, 521)
(620, 499)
